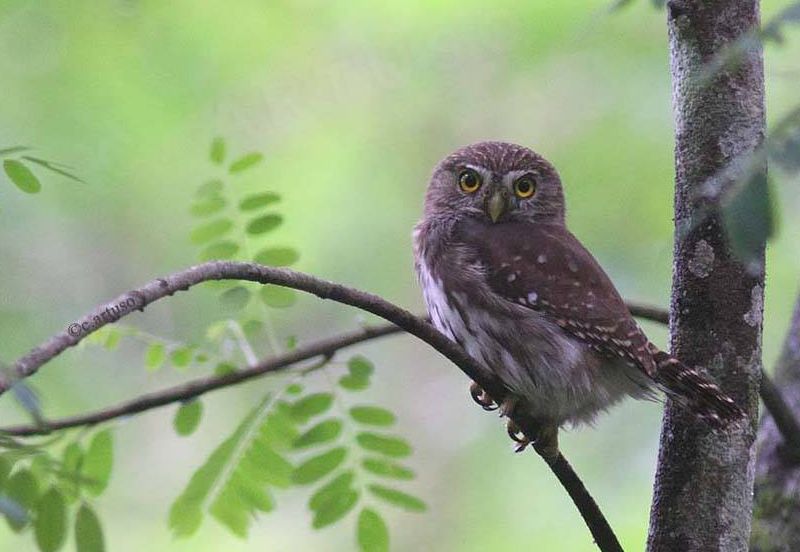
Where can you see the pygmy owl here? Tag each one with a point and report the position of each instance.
(503, 277)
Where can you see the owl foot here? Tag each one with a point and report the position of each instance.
(481, 397)
(508, 405)
(517, 436)
(546, 443)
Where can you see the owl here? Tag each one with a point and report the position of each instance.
(504, 278)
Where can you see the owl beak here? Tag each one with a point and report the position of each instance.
(496, 205)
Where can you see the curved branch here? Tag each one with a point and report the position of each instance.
(195, 388)
(229, 270)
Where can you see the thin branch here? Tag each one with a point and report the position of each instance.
(228, 270)
(782, 414)
(195, 388)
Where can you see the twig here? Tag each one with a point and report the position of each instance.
(200, 386)
(230, 270)
(784, 417)
(193, 389)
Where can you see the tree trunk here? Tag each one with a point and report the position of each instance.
(776, 523)
(704, 481)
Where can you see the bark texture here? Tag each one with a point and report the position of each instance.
(704, 481)
(776, 523)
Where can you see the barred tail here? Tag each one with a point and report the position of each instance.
(695, 391)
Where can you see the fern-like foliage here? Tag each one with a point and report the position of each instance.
(45, 494)
(310, 433)
(18, 167)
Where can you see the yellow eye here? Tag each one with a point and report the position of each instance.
(469, 181)
(524, 187)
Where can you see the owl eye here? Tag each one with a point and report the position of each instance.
(469, 181)
(524, 187)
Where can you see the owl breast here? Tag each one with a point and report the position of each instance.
(560, 379)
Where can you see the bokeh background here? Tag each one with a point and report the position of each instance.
(351, 103)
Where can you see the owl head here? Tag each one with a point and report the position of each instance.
(498, 182)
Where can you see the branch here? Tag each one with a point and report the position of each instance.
(228, 270)
(193, 389)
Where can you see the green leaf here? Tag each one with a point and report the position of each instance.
(217, 151)
(23, 489)
(154, 356)
(50, 166)
(181, 357)
(252, 327)
(235, 299)
(186, 512)
(207, 206)
(748, 217)
(360, 369)
(210, 231)
(210, 188)
(224, 368)
(360, 366)
(258, 201)
(245, 162)
(319, 466)
(335, 509)
(71, 466)
(21, 176)
(311, 405)
(354, 383)
(235, 506)
(265, 223)
(250, 462)
(294, 389)
(50, 525)
(390, 446)
(323, 432)
(398, 498)
(335, 487)
(385, 468)
(187, 418)
(278, 297)
(113, 337)
(372, 415)
(373, 535)
(222, 250)
(88, 531)
(6, 464)
(277, 256)
(98, 462)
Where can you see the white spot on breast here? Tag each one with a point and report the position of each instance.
(573, 266)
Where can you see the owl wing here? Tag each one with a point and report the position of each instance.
(545, 268)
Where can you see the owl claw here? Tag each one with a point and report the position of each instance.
(507, 406)
(481, 397)
(517, 436)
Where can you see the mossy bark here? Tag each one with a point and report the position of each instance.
(704, 482)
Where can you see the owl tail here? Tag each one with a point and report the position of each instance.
(695, 391)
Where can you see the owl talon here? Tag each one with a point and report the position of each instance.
(507, 406)
(517, 436)
(481, 397)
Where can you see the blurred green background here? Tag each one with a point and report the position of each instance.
(352, 103)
